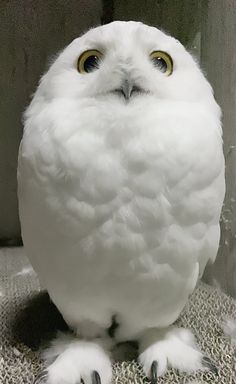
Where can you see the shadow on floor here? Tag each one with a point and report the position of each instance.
(39, 320)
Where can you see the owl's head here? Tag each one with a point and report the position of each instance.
(126, 61)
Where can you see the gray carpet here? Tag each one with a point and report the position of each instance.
(28, 318)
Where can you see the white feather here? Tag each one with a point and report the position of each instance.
(120, 201)
(229, 328)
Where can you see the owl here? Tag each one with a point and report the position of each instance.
(120, 185)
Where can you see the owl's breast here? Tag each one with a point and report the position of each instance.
(126, 180)
(134, 194)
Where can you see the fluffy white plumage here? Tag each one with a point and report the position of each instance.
(120, 199)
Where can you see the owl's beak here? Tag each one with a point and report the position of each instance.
(126, 89)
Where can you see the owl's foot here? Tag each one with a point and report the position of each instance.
(173, 348)
(43, 378)
(78, 362)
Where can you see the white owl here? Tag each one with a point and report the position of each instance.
(121, 184)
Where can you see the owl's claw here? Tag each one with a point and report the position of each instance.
(96, 378)
(209, 364)
(153, 375)
(41, 378)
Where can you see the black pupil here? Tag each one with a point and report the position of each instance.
(160, 64)
(91, 63)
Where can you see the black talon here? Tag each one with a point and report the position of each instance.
(96, 378)
(153, 375)
(41, 376)
(208, 364)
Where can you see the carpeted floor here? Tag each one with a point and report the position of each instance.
(27, 318)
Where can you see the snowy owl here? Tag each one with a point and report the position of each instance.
(121, 184)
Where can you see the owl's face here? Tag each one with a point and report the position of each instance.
(126, 61)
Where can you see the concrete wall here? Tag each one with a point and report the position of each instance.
(219, 61)
(181, 19)
(31, 31)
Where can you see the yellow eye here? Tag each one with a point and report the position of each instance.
(89, 61)
(162, 61)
